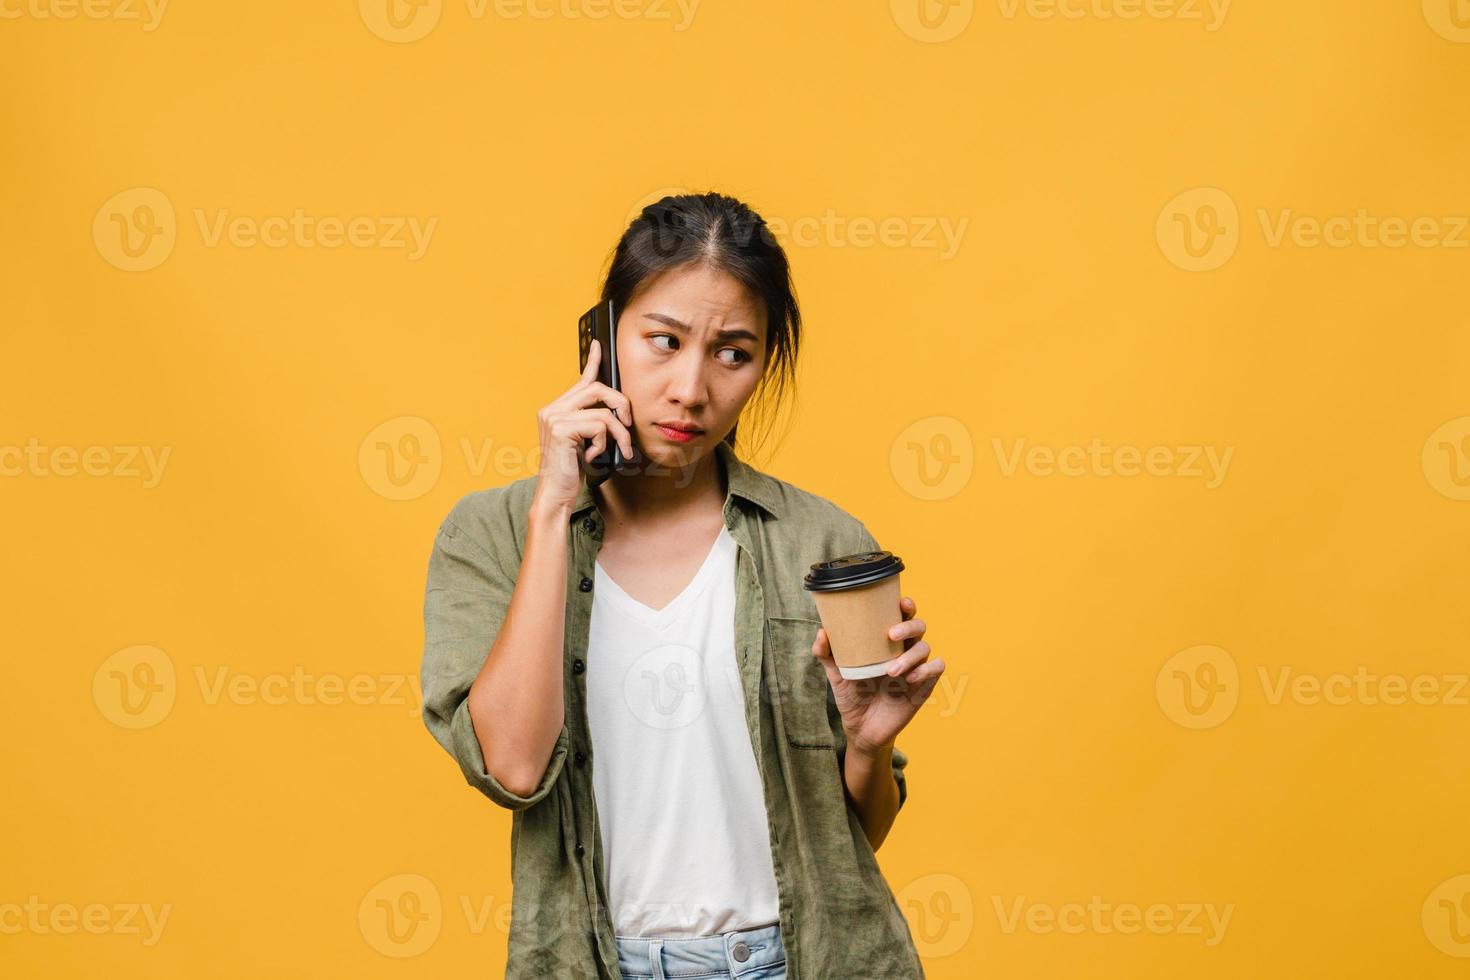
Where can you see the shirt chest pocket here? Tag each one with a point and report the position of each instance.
(802, 686)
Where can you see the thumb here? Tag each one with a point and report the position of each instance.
(822, 650)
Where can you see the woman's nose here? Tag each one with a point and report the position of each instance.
(688, 386)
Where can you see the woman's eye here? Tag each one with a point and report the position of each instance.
(740, 356)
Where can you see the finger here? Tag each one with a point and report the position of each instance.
(596, 391)
(920, 692)
(911, 657)
(594, 358)
(822, 650)
(619, 430)
(595, 447)
(906, 629)
(926, 675)
(592, 423)
(909, 608)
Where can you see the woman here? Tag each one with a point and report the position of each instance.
(727, 786)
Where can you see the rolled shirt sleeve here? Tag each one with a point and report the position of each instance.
(467, 595)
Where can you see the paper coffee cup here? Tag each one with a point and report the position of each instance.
(857, 598)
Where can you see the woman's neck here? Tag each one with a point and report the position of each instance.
(672, 495)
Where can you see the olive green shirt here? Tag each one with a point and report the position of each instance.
(838, 916)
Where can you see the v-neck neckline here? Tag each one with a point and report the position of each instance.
(660, 617)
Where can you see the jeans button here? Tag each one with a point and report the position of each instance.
(741, 952)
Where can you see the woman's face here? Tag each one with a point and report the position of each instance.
(691, 350)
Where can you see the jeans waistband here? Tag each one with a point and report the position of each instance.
(701, 956)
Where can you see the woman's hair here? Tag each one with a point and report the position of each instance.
(725, 234)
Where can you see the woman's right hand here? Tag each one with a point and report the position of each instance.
(573, 417)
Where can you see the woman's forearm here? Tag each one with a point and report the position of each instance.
(871, 789)
(515, 702)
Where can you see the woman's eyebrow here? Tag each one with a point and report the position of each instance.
(730, 333)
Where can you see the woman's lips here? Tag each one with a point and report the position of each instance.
(677, 435)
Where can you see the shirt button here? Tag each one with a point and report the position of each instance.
(586, 585)
(588, 524)
(578, 666)
(741, 952)
(580, 849)
(580, 757)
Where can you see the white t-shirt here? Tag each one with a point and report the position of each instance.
(679, 798)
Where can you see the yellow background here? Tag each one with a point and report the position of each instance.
(1053, 766)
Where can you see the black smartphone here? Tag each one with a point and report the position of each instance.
(600, 324)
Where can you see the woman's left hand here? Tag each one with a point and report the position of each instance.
(875, 709)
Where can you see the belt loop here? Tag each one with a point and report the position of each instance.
(656, 956)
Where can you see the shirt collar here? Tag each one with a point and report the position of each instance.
(742, 480)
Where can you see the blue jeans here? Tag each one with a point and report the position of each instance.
(750, 954)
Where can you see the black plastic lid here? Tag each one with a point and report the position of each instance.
(852, 571)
